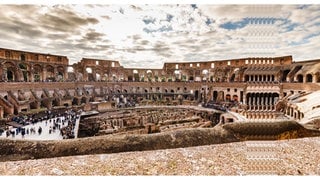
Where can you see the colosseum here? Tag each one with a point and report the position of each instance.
(180, 96)
(257, 88)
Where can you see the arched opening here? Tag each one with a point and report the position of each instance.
(130, 78)
(60, 73)
(37, 71)
(215, 95)
(309, 78)
(300, 78)
(235, 98)
(177, 75)
(149, 75)
(24, 71)
(50, 73)
(205, 74)
(228, 97)
(232, 77)
(196, 94)
(83, 100)
(22, 57)
(246, 78)
(220, 96)
(284, 75)
(90, 75)
(104, 77)
(136, 75)
(191, 78)
(114, 77)
(10, 75)
(98, 77)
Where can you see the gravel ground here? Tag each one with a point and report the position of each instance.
(287, 157)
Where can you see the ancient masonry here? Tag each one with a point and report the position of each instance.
(255, 87)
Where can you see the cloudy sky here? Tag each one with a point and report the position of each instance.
(144, 36)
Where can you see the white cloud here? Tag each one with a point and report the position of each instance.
(149, 35)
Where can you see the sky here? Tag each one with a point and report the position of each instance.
(148, 35)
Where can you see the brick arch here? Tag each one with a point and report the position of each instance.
(309, 78)
(24, 68)
(11, 71)
(37, 72)
(61, 73)
(50, 73)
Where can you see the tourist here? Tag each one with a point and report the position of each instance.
(40, 130)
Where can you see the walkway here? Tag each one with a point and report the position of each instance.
(45, 134)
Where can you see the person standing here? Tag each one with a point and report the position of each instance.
(40, 130)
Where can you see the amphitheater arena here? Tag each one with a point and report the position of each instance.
(148, 101)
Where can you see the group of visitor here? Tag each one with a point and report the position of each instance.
(61, 120)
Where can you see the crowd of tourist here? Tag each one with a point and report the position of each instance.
(62, 121)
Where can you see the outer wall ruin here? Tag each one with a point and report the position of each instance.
(253, 87)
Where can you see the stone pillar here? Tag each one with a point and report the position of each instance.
(65, 74)
(31, 75)
(314, 78)
(44, 74)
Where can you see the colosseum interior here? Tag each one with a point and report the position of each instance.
(184, 95)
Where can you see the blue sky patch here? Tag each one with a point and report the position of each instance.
(148, 20)
(162, 29)
(235, 25)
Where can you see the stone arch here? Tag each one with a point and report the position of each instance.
(136, 75)
(232, 78)
(71, 74)
(25, 72)
(149, 75)
(177, 75)
(104, 76)
(205, 75)
(10, 72)
(220, 96)
(22, 57)
(228, 97)
(235, 98)
(60, 73)
(196, 94)
(300, 78)
(37, 73)
(309, 78)
(89, 72)
(246, 78)
(284, 75)
(214, 95)
(50, 76)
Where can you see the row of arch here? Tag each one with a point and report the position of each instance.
(262, 101)
(262, 116)
(11, 72)
(259, 78)
(308, 78)
(292, 112)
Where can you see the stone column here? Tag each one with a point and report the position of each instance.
(44, 74)
(314, 78)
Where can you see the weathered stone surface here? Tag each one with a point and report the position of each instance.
(220, 159)
(18, 150)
